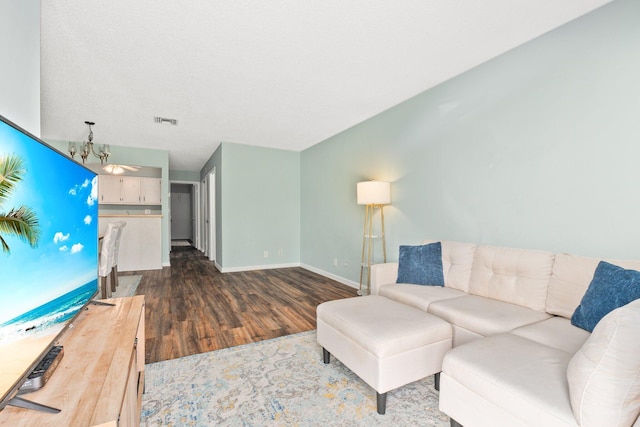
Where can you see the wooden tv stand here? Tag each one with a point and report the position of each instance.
(100, 379)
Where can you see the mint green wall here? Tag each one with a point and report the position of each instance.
(260, 205)
(20, 70)
(140, 157)
(259, 200)
(191, 176)
(537, 148)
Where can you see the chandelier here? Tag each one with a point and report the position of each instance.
(88, 147)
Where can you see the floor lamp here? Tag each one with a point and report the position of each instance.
(372, 194)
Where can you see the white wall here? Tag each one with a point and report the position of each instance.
(20, 58)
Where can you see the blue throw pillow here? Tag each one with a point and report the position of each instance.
(421, 265)
(610, 288)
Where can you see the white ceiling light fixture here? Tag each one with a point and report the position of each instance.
(114, 169)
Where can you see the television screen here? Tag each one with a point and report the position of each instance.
(48, 249)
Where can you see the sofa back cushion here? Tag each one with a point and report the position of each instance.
(604, 375)
(517, 276)
(457, 259)
(570, 279)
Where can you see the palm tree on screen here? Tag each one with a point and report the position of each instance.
(22, 221)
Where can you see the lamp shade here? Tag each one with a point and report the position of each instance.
(373, 193)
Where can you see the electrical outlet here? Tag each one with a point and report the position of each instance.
(335, 262)
(280, 252)
(266, 254)
(346, 263)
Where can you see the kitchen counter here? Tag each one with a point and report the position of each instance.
(141, 242)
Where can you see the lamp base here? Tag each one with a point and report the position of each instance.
(363, 292)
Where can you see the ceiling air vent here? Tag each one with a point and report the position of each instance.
(165, 121)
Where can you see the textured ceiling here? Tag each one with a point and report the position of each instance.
(284, 74)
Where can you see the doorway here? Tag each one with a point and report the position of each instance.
(184, 220)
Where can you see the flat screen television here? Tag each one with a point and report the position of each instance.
(48, 250)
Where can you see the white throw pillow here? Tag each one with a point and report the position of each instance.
(604, 375)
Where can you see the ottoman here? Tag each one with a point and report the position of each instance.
(386, 343)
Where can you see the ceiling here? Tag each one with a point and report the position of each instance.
(285, 74)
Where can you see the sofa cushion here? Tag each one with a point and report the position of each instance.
(457, 259)
(485, 316)
(518, 276)
(604, 375)
(611, 287)
(421, 265)
(557, 332)
(522, 377)
(570, 279)
(418, 296)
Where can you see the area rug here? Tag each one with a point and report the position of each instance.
(277, 382)
(127, 286)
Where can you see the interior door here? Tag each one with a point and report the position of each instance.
(205, 215)
(211, 207)
(181, 212)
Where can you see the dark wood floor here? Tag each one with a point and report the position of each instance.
(193, 308)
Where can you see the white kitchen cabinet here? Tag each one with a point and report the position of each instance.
(150, 191)
(129, 190)
(109, 186)
(141, 241)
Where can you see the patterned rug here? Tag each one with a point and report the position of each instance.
(277, 382)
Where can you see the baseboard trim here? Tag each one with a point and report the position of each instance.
(256, 267)
(331, 276)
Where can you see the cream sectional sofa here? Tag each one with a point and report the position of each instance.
(517, 360)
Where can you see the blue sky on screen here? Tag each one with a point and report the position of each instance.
(64, 196)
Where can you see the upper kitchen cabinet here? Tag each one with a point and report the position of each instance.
(129, 190)
(150, 191)
(110, 189)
